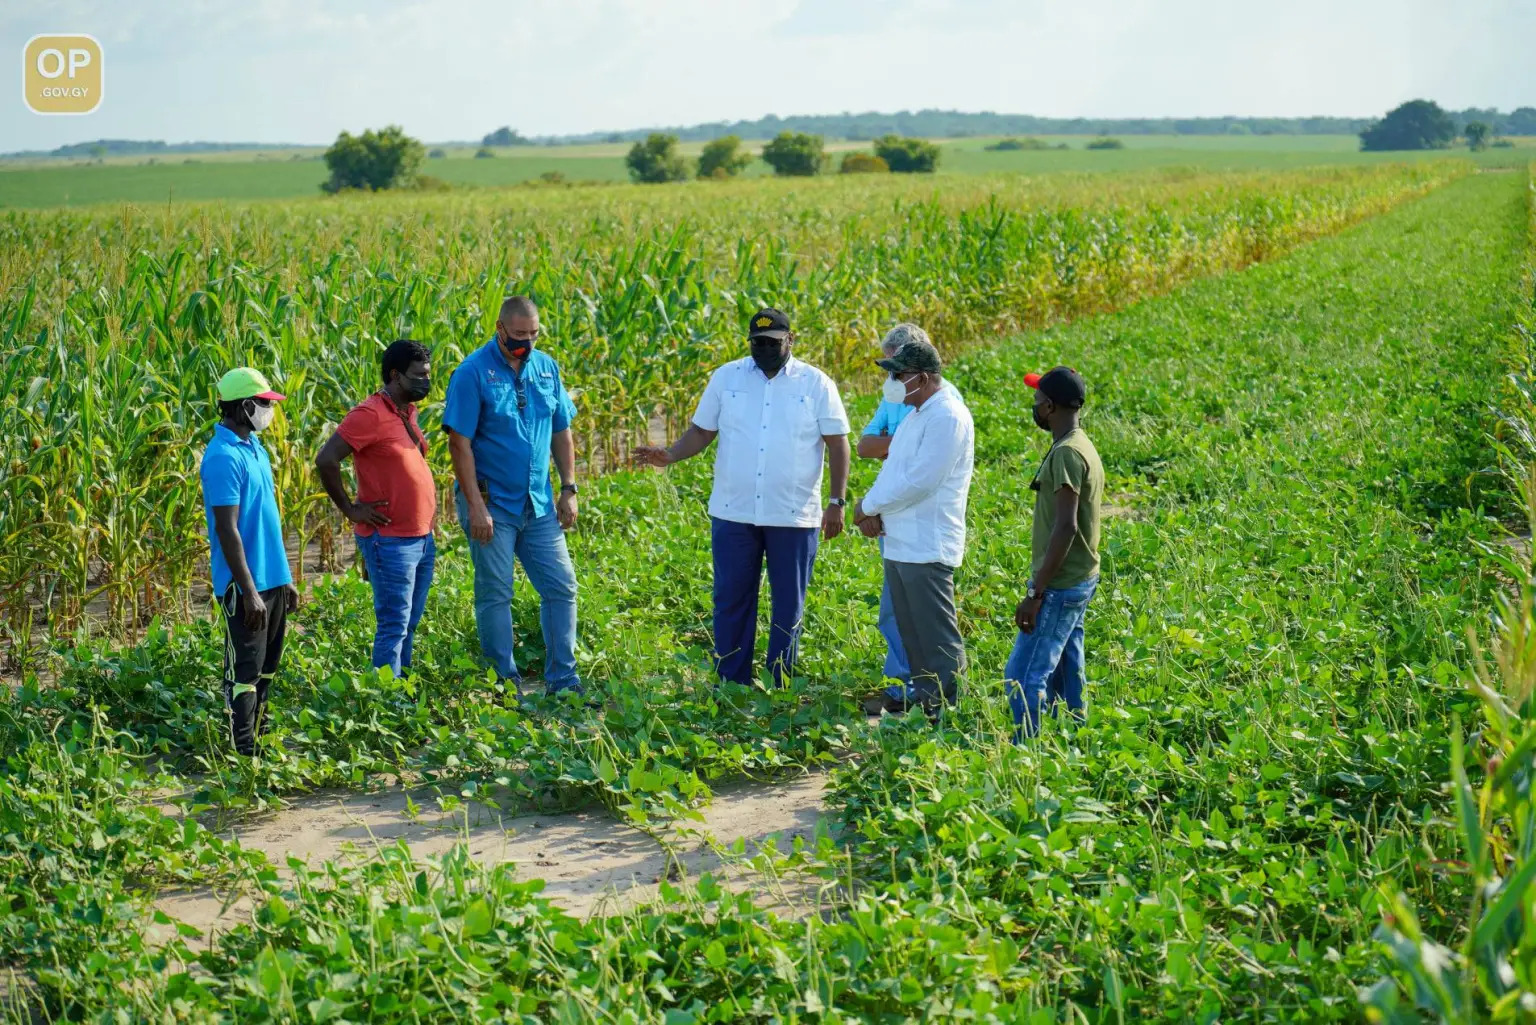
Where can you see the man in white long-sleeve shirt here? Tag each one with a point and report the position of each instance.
(918, 504)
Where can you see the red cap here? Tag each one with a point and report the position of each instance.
(1033, 380)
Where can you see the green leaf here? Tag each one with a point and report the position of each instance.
(715, 954)
(477, 918)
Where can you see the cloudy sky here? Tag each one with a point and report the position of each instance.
(302, 70)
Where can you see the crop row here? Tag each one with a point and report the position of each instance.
(113, 327)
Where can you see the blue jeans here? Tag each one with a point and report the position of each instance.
(896, 667)
(539, 544)
(400, 570)
(1047, 665)
(739, 550)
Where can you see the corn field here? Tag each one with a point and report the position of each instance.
(115, 323)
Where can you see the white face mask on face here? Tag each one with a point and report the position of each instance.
(894, 391)
(260, 416)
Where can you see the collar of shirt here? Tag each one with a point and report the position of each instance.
(231, 438)
(791, 368)
(939, 397)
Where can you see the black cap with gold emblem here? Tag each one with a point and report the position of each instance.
(768, 323)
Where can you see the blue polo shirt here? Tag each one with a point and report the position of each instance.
(239, 473)
(511, 445)
(889, 415)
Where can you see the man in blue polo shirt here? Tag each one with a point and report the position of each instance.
(251, 580)
(875, 443)
(507, 413)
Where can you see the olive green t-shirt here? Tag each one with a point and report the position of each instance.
(1074, 463)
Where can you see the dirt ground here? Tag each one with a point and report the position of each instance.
(590, 861)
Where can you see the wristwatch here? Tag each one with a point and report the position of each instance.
(568, 487)
(1034, 593)
(837, 501)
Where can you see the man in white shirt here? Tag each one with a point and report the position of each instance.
(918, 504)
(777, 418)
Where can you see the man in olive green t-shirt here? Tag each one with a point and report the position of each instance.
(1047, 661)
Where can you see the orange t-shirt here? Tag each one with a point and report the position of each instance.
(391, 466)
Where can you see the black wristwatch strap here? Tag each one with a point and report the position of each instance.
(569, 487)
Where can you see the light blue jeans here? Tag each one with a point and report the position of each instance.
(1047, 664)
(400, 570)
(896, 667)
(539, 544)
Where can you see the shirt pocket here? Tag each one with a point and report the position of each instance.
(735, 411)
(500, 401)
(542, 397)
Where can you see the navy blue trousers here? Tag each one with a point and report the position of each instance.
(739, 550)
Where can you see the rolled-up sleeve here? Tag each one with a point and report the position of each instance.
(831, 418)
(707, 414)
(905, 481)
(461, 406)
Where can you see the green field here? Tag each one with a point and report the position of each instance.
(235, 176)
(1311, 390)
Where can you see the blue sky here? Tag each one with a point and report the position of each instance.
(302, 70)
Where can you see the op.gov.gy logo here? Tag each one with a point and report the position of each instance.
(62, 74)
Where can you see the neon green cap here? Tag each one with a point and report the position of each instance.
(245, 383)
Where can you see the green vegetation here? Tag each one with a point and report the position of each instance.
(1029, 143)
(907, 156)
(657, 160)
(722, 158)
(387, 159)
(1104, 143)
(119, 322)
(795, 154)
(1278, 662)
(1477, 133)
(859, 162)
(1417, 124)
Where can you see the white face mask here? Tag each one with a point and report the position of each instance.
(894, 391)
(260, 416)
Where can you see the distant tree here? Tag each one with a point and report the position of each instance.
(1503, 144)
(374, 160)
(907, 155)
(1005, 145)
(795, 153)
(722, 158)
(657, 160)
(98, 151)
(504, 136)
(437, 154)
(485, 153)
(1104, 142)
(1477, 133)
(1521, 121)
(859, 162)
(1417, 124)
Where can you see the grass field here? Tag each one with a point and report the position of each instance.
(1303, 458)
(237, 176)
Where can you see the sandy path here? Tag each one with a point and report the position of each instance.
(588, 860)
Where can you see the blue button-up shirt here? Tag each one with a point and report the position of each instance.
(511, 445)
(239, 473)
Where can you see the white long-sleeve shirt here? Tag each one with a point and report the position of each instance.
(921, 491)
(770, 450)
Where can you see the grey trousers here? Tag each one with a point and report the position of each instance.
(923, 598)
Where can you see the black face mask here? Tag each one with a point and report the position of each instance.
(769, 356)
(417, 388)
(1040, 419)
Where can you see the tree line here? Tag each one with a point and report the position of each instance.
(657, 158)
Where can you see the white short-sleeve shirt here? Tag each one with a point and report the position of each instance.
(769, 451)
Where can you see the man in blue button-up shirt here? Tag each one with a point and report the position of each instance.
(507, 413)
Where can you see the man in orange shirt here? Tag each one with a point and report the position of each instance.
(396, 497)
